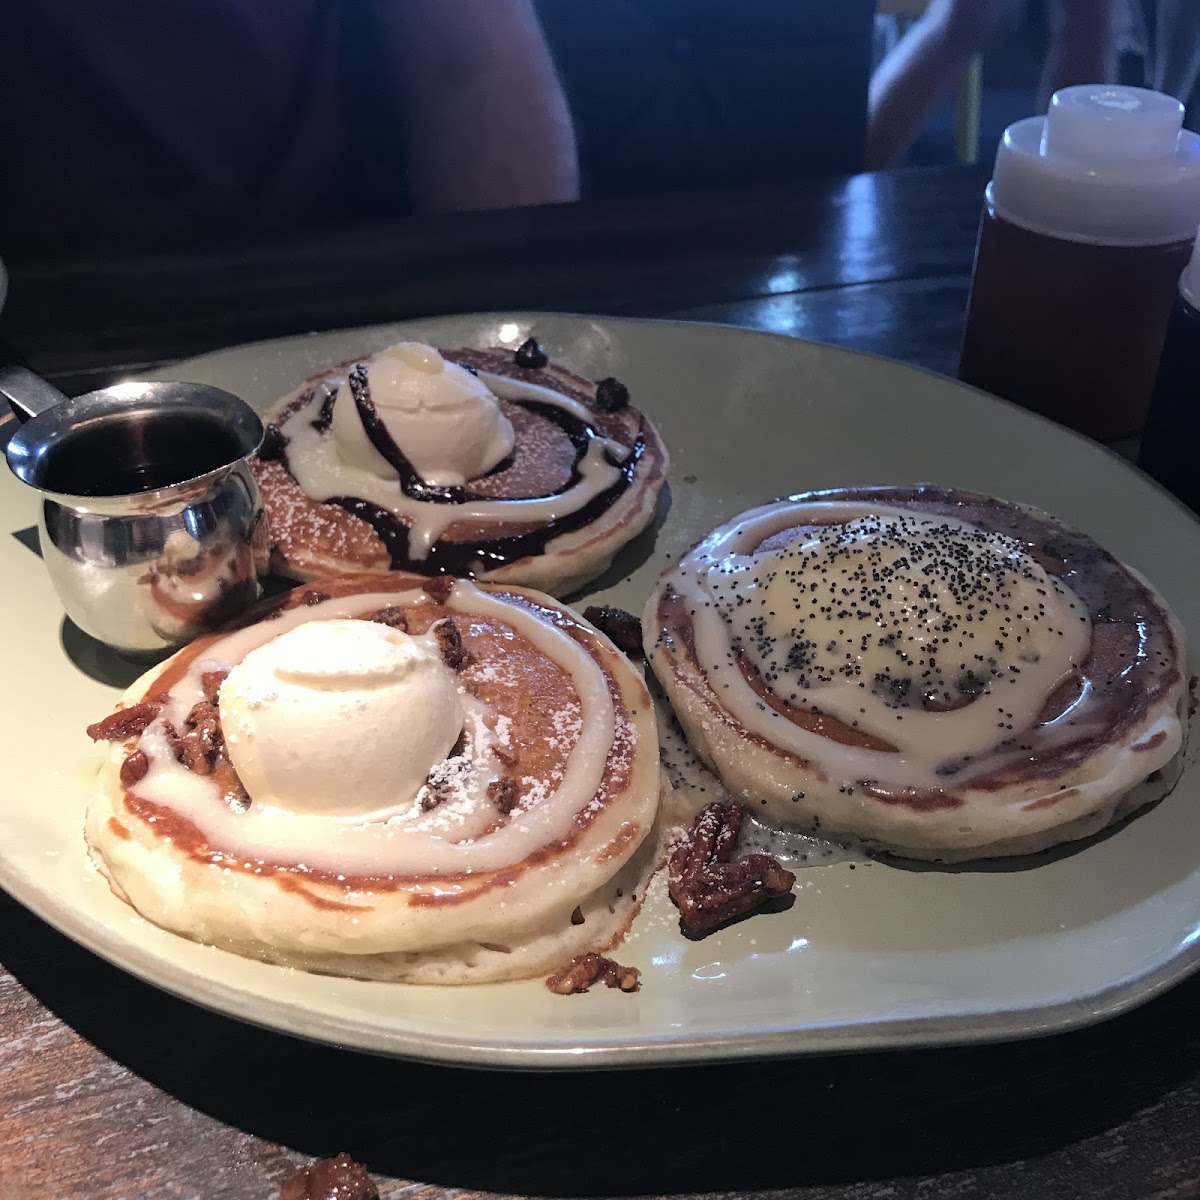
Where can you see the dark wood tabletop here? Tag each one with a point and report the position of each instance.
(113, 1089)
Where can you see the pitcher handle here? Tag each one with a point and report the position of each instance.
(28, 394)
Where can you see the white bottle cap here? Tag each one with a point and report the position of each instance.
(1189, 281)
(1106, 164)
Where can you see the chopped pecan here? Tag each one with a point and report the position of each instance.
(203, 737)
(584, 970)
(134, 768)
(508, 755)
(313, 596)
(503, 793)
(175, 742)
(394, 616)
(125, 722)
(530, 355)
(211, 682)
(708, 885)
(432, 795)
(439, 587)
(339, 1178)
(454, 653)
(201, 749)
(622, 627)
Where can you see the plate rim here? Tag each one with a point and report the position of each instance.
(558, 1053)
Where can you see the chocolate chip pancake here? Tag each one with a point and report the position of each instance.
(565, 471)
(942, 674)
(390, 778)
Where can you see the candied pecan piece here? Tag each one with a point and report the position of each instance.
(211, 682)
(339, 1178)
(125, 722)
(203, 736)
(611, 395)
(708, 885)
(174, 741)
(503, 793)
(187, 751)
(201, 749)
(434, 792)
(585, 969)
(623, 628)
(530, 355)
(614, 975)
(393, 616)
(439, 587)
(711, 839)
(313, 596)
(134, 768)
(506, 754)
(454, 653)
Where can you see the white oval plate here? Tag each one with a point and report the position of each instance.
(871, 956)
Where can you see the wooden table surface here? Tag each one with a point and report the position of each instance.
(113, 1089)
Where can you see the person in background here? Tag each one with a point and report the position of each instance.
(1165, 36)
(930, 59)
(145, 125)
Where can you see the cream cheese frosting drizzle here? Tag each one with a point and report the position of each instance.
(467, 834)
(928, 634)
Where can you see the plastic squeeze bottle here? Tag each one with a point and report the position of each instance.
(1087, 223)
(1170, 449)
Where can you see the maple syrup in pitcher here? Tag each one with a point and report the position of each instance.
(1088, 222)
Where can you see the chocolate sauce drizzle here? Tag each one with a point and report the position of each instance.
(324, 419)
(465, 558)
(470, 558)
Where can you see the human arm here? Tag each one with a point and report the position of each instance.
(922, 68)
(485, 119)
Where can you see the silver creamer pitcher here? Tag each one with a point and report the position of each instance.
(149, 515)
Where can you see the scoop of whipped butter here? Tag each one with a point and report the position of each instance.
(339, 717)
(444, 420)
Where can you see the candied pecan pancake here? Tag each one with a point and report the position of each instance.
(939, 673)
(388, 777)
(480, 463)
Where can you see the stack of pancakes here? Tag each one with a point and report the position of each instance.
(453, 889)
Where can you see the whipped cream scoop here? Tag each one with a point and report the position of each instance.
(445, 421)
(340, 717)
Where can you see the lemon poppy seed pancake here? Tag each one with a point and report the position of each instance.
(446, 783)
(462, 463)
(942, 674)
